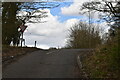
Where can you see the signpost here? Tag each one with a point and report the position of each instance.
(21, 29)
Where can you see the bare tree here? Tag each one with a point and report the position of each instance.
(10, 23)
(110, 12)
(32, 12)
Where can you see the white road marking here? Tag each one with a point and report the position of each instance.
(79, 62)
(50, 52)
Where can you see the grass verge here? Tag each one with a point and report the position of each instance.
(103, 63)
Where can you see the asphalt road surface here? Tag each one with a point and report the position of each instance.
(45, 64)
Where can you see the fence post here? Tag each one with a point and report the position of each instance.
(35, 43)
(21, 39)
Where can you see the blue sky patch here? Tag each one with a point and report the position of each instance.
(57, 12)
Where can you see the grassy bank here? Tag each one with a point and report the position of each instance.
(104, 62)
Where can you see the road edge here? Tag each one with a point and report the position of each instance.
(82, 73)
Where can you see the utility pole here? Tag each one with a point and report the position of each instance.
(89, 26)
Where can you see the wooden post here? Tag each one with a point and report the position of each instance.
(21, 38)
(35, 43)
(24, 42)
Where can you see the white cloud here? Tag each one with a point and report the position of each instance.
(71, 22)
(73, 9)
(50, 34)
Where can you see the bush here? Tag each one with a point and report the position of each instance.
(83, 36)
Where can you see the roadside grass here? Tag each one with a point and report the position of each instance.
(104, 62)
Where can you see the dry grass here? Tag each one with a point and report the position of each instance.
(101, 63)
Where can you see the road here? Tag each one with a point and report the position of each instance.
(45, 64)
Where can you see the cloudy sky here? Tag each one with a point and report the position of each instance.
(54, 32)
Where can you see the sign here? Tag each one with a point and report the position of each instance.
(22, 28)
